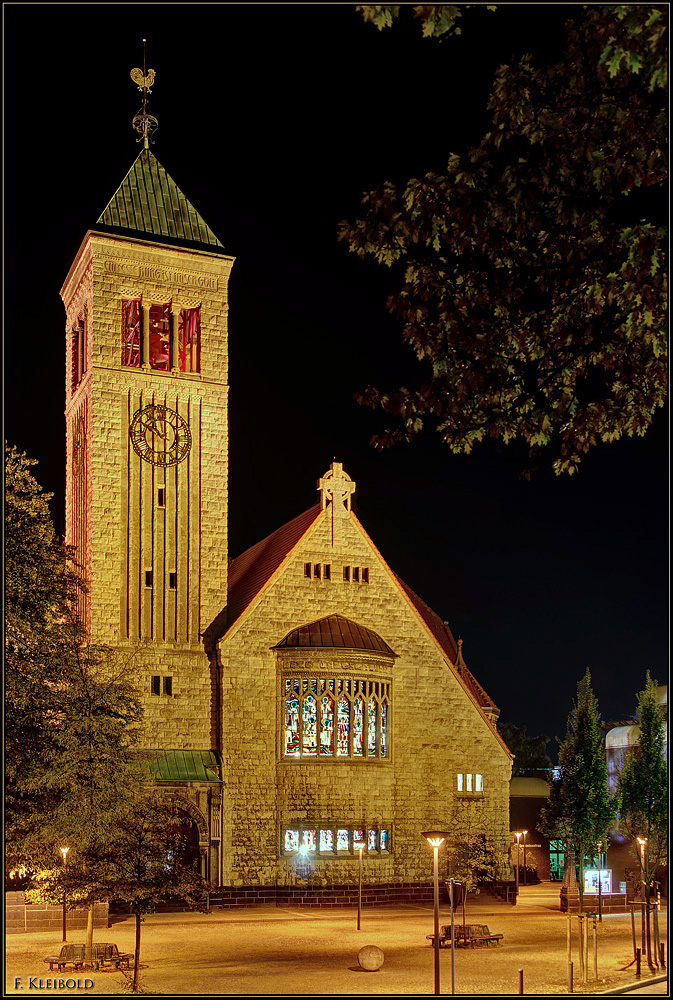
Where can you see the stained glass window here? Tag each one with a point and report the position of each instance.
(343, 726)
(371, 728)
(310, 727)
(371, 840)
(358, 839)
(383, 840)
(478, 783)
(358, 712)
(327, 840)
(318, 722)
(292, 726)
(468, 782)
(326, 726)
(292, 840)
(459, 784)
(309, 840)
(343, 840)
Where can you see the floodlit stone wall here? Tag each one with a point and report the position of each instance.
(436, 730)
(137, 536)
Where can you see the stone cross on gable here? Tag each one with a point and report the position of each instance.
(336, 487)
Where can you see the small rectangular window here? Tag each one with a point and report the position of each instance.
(307, 570)
(347, 573)
(358, 839)
(160, 337)
(468, 782)
(156, 684)
(459, 785)
(148, 577)
(316, 571)
(168, 685)
(161, 497)
(327, 571)
(365, 574)
(173, 581)
(478, 783)
(356, 574)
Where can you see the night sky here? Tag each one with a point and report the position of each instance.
(272, 120)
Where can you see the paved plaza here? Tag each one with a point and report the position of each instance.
(281, 952)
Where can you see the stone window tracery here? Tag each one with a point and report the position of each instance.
(337, 718)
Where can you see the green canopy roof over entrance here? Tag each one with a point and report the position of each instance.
(186, 765)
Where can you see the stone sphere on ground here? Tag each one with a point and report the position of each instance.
(370, 958)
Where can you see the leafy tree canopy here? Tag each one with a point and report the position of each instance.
(532, 284)
(530, 752)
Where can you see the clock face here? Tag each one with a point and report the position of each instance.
(79, 448)
(160, 435)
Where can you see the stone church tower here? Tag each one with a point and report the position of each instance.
(303, 704)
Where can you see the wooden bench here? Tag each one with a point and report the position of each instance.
(445, 934)
(469, 936)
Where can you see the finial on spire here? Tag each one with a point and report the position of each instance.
(144, 123)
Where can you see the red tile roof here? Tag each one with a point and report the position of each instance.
(251, 571)
(335, 630)
(440, 630)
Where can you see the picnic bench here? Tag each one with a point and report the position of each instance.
(101, 952)
(468, 936)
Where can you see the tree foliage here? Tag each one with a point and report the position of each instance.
(530, 752)
(532, 281)
(141, 861)
(643, 787)
(580, 810)
(72, 713)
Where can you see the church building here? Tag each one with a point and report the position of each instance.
(308, 712)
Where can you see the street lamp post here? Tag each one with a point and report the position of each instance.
(525, 880)
(435, 838)
(64, 851)
(643, 846)
(360, 890)
(518, 858)
(600, 889)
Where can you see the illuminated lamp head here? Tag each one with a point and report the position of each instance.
(435, 837)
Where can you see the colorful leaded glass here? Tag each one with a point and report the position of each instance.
(358, 839)
(309, 839)
(383, 746)
(371, 728)
(343, 840)
(358, 712)
(326, 726)
(292, 840)
(343, 726)
(371, 840)
(327, 840)
(309, 727)
(383, 840)
(291, 726)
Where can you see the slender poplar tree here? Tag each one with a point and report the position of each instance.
(580, 810)
(643, 793)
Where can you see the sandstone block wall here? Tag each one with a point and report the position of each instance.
(436, 730)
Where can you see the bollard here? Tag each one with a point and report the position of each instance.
(520, 981)
(637, 963)
(570, 977)
(595, 949)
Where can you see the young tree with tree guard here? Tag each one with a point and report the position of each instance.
(532, 278)
(642, 793)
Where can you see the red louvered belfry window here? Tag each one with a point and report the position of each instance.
(189, 336)
(160, 337)
(131, 352)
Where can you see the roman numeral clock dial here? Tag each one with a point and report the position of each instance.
(160, 435)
